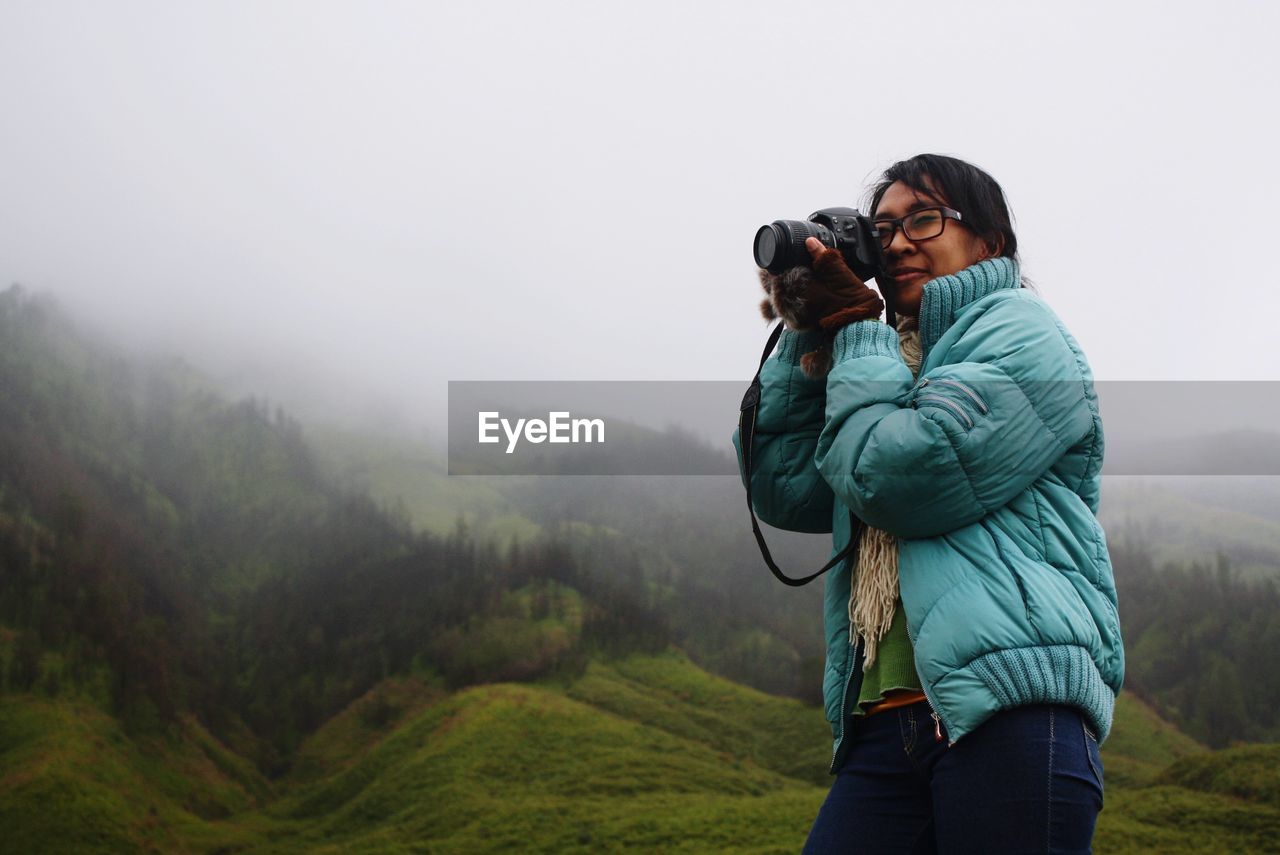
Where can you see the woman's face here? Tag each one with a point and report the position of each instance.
(910, 264)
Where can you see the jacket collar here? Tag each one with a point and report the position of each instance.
(945, 296)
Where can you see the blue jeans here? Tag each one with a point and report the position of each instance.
(1028, 779)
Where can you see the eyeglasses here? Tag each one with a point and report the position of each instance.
(923, 224)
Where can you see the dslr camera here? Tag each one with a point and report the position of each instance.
(780, 246)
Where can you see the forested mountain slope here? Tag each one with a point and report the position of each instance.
(214, 638)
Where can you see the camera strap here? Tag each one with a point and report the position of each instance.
(747, 435)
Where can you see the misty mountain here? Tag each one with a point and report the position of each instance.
(169, 550)
(1198, 518)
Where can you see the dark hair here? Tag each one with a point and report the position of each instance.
(959, 185)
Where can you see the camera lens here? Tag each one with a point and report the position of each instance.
(780, 245)
(767, 241)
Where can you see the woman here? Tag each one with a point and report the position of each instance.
(974, 652)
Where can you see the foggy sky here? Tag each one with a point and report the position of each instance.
(358, 202)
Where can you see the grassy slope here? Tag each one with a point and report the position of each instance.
(648, 753)
(1166, 793)
(71, 781)
(741, 785)
(1168, 819)
(673, 695)
(347, 737)
(1142, 744)
(1250, 772)
(525, 766)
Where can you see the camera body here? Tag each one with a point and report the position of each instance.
(780, 246)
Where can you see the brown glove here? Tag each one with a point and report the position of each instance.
(825, 296)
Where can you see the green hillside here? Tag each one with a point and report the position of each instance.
(1221, 801)
(1175, 820)
(72, 781)
(645, 753)
(509, 766)
(672, 694)
(495, 767)
(1142, 744)
(1249, 772)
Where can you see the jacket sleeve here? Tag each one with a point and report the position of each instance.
(919, 459)
(787, 490)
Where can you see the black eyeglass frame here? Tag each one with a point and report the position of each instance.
(895, 224)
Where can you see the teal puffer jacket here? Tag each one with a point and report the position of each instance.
(986, 468)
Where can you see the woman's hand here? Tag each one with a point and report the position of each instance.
(836, 296)
(824, 297)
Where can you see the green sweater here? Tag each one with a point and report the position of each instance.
(894, 667)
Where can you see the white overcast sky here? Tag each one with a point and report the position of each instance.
(371, 199)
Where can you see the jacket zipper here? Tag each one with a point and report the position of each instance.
(844, 699)
(982, 406)
(951, 405)
(933, 707)
(937, 716)
(848, 678)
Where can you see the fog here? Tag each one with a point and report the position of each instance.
(345, 206)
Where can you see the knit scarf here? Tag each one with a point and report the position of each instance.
(873, 593)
